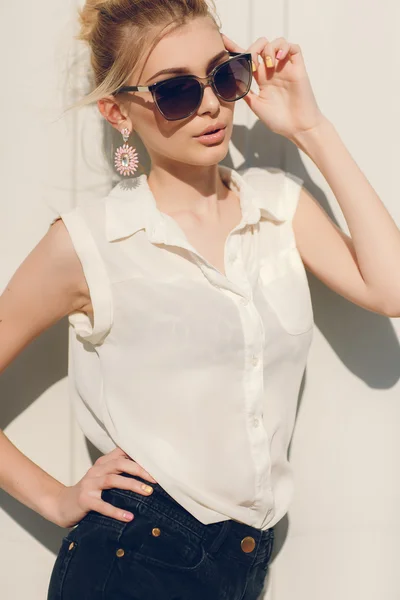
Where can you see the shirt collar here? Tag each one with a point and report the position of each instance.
(131, 206)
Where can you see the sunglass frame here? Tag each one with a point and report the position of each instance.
(209, 81)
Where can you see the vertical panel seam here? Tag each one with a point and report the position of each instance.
(286, 9)
(249, 116)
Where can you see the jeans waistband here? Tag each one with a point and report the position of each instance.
(214, 533)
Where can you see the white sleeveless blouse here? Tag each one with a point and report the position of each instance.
(195, 375)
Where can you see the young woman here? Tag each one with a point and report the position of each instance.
(190, 312)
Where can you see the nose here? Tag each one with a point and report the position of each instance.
(210, 102)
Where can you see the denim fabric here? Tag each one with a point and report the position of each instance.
(164, 553)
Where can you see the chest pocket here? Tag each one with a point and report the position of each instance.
(283, 282)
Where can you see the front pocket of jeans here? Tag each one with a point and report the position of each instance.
(284, 284)
(159, 540)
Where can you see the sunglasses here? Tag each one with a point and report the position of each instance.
(180, 97)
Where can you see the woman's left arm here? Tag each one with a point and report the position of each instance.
(365, 268)
(374, 244)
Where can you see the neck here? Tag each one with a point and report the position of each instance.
(187, 188)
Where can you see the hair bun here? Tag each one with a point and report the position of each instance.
(88, 18)
(118, 33)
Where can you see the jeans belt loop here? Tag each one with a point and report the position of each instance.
(217, 542)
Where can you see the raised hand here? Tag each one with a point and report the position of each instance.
(285, 102)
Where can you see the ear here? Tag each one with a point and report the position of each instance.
(114, 113)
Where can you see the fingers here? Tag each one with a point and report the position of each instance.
(234, 47)
(129, 466)
(264, 55)
(230, 45)
(112, 480)
(274, 51)
(111, 468)
(120, 465)
(104, 475)
(282, 49)
(107, 509)
(268, 54)
(134, 468)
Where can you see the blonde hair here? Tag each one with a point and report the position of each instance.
(117, 32)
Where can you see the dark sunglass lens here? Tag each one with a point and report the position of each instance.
(178, 98)
(233, 80)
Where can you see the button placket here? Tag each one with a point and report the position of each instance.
(255, 360)
(254, 341)
(234, 267)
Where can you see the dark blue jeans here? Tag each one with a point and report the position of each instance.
(164, 553)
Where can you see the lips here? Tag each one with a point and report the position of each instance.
(212, 129)
(211, 139)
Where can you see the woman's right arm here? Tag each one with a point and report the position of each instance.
(47, 286)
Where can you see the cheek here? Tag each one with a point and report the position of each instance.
(158, 134)
(151, 125)
(229, 109)
(170, 138)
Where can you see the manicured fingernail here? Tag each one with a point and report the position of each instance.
(269, 62)
(253, 66)
(280, 54)
(128, 516)
(147, 488)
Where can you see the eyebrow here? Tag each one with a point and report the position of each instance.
(184, 70)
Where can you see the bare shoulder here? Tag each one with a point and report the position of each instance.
(68, 266)
(47, 286)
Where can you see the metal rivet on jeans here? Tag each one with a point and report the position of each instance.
(248, 544)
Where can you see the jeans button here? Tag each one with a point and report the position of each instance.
(248, 544)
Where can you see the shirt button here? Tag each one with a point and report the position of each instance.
(244, 301)
(254, 360)
(256, 422)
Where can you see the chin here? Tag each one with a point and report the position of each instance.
(209, 155)
(212, 158)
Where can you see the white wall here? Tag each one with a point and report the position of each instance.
(339, 539)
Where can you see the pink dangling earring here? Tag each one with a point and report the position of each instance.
(126, 157)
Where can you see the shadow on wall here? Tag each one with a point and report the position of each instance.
(356, 335)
